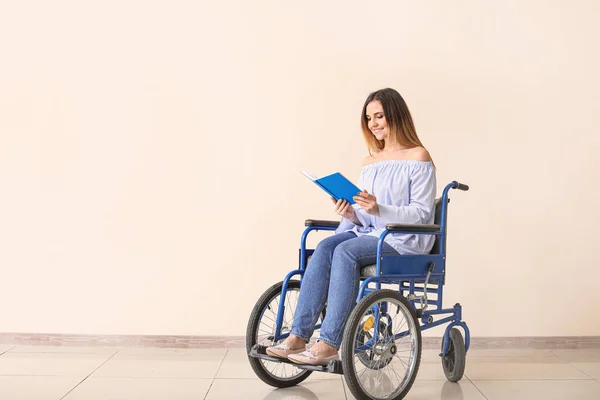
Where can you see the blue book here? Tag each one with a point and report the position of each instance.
(336, 185)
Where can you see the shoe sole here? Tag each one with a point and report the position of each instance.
(275, 355)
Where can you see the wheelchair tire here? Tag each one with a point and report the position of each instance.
(352, 334)
(454, 361)
(260, 366)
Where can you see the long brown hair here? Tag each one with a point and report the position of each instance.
(398, 118)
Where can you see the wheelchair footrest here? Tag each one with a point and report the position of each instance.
(333, 367)
(259, 351)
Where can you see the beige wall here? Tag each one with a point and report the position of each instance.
(150, 154)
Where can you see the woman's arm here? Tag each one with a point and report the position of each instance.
(421, 204)
(345, 210)
(422, 196)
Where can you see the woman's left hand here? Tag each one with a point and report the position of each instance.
(368, 202)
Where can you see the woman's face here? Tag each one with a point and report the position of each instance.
(376, 120)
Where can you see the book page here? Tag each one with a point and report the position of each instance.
(309, 175)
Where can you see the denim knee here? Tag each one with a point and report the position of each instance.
(327, 246)
(344, 250)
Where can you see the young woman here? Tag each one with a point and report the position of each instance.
(399, 186)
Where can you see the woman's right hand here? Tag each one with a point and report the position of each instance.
(343, 208)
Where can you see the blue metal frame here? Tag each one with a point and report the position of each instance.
(409, 272)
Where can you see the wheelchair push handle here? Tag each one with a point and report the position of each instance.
(460, 186)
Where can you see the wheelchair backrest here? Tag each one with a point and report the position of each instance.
(438, 221)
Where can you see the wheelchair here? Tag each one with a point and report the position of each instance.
(381, 347)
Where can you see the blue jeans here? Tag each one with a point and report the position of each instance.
(333, 274)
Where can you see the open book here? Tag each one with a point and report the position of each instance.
(336, 185)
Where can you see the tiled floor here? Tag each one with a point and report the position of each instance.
(74, 373)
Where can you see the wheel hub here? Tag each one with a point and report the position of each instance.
(385, 350)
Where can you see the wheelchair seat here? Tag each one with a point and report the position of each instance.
(371, 270)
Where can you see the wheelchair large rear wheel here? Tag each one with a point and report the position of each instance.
(395, 354)
(261, 330)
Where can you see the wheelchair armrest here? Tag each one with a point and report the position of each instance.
(413, 227)
(317, 222)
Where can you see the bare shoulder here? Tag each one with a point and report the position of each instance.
(416, 153)
(419, 154)
(370, 159)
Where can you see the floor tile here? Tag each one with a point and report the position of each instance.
(160, 351)
(50, 364)
(63, 349)
(237, 366)
(162, 366)
(498, 355)
(443, 390)
(511, 353)
(36, 387)
(589, 368)
(539, 389)
(495, 371)
(512, 356)
(581, 355)
(430, 356)
(140, 389)
(49, 372)
(431, 371)
(227, 389)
